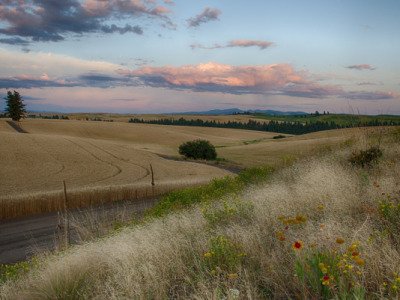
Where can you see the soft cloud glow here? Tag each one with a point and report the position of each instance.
(276, 79)
(55, 65)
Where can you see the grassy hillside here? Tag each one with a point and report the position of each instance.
(320, 229)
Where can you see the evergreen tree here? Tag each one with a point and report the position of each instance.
(15, 107)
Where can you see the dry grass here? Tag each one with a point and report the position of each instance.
(26, 205)
(242, 248)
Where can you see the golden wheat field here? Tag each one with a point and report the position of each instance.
(95, 157)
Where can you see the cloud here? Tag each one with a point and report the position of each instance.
(122, 30)
(54, 20)
(276, 79)
(368, 83)
(361, 67)
(14, 41)
(14, 63)
(262, 45)
(29, 81)
(363, 95)
(207, 15)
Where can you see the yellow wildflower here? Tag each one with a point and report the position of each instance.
(207, 254)
(233, 276)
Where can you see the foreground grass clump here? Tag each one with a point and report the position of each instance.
(366, 157)
(316, 230)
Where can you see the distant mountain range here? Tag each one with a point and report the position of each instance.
(231, 111)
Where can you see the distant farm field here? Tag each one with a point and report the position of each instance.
(95, 157)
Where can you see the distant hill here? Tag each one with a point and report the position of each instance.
(231, 111)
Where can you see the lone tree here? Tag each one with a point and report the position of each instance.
(198, 149)
(15, 107)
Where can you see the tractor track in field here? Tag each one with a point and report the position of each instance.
(50, 154)
(123, 160)
(118, 169)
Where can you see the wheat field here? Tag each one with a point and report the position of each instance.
(98, 156)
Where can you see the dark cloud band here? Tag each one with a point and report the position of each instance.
(54, 20)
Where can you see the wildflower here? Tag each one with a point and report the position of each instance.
(359, 261)
(326, 280)
(297, 245)
(233, 276)
(353, 247)
(323, 268)
(321, 207)
(281, 236)
(207, 254)
(300, 219)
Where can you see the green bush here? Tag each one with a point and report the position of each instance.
(366, 158)
(198, 149)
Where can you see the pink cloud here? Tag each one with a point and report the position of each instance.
(268, 77)
(277, 79)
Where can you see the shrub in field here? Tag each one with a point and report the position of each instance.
(198, 149)
(366, 158)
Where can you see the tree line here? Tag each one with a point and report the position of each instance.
(295, 128)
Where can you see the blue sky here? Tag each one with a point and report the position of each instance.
(141, 56)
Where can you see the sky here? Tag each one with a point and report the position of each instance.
(156, 56)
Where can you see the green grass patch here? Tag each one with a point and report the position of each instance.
(14, 271)
(215, 190)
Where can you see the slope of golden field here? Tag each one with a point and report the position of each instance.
(275, 152)
(101, 154)
(155, 138)
(39, 163)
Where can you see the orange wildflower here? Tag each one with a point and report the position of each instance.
(326, 280)
(297, 245)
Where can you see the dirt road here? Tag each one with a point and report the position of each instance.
(22, 238)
